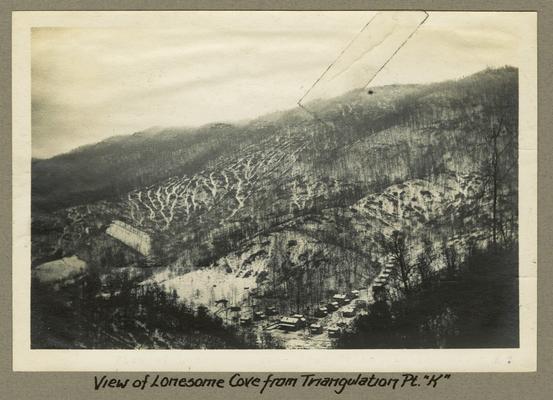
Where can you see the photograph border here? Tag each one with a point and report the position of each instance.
(494, 386)
(390, 360)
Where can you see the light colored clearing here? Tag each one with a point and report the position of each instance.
(59, 270)
(205, 286)
(229, 183)
(231, 279)
(132, 237)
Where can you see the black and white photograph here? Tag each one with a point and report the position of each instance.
(314, 181)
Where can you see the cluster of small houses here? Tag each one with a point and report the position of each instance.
(379, 284)
(298, 321)
(141, 241)
(349, 301)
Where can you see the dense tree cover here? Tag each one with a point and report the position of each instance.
(476, 305)
(120, 313)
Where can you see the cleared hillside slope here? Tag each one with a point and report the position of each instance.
(295, 201)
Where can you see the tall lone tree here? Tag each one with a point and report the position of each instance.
(395, 247)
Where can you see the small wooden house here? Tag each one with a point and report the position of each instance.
(339, 298)
(224, 302)
(301, 318)
(361, 304)
(258, 315)
(348, 312)
(321, 312)
(289, 323)
(270, 311)
(334, 331)
(315, 329)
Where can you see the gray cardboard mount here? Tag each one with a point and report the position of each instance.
(539, 385)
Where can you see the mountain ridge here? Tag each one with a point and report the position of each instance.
(86, 174)
(278, 171)
(409, 180)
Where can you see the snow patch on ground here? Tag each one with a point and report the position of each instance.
(58, 270)
(205, 286)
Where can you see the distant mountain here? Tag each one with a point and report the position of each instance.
(288, 190)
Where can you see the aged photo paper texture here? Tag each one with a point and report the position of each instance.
(261, 191)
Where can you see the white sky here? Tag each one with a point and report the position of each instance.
(192, 68)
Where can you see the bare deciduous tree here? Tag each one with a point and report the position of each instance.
(395, 247)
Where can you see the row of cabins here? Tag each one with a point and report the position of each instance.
(257, 316)
(379, 284)
(298, 321)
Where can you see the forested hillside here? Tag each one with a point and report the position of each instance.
(418, 176)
